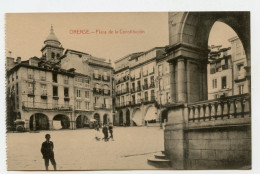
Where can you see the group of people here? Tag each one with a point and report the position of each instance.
(105, 129)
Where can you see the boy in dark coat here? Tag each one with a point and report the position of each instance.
(47, 152)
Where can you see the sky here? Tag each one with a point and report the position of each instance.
(26, 32)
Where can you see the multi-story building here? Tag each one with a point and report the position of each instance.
(226, 71)
(220, 76)
(241, 78)
(101, 73)
(137, 95)
(58, 89)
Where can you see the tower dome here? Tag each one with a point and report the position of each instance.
(52, 39)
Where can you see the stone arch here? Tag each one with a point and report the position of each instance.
(194, 25)
(128, 117)
(151, 114)
(121, 120)
(137, 117)
(97, 117)
(39, 121)
(81, 121)
(105, 118)
(64, 121)
(188, 50)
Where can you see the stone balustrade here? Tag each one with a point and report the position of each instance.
(237, 106)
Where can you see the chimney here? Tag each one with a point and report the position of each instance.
(18, 60)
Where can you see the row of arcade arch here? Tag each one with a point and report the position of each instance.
(40, 121)
(137, 118)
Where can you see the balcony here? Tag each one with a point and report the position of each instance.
(102, 106)
(45, 106)
(31, 92)
(44, 94)
(148, 101)
(97, 91)
(132, 78)
(123, 79)
(132, 90)
(106, 92)
(105, 78)
(96, 76)
(66, 97)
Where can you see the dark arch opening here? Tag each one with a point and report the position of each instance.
(128, 118)
(97, 117)
(121, 121)
(39, 121)
(82, 121)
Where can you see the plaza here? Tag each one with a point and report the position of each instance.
(78, 149)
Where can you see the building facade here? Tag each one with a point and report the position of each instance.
(51, 92)
(227, 71)
(140, 90)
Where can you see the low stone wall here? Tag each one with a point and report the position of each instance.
(218, 148)
(222, 140)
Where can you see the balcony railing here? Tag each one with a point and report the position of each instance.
(97, 91)
(96, 76)
(45, 106)
(123, 79)
(223, 108)
(102, 106)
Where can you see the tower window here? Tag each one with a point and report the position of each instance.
(52, 55)
(58, 55)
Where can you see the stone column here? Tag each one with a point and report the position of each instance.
(50, 124)
(172, 82)
(181, 81)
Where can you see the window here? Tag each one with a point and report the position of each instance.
(224, 82)
(30, 73)
(66, 79)
(86, 94)
(52, 55)
(145, 70)
(78, 104)
(151, 68)
(30, 88)
(167, 97)
(78, 93)
(42, 75)
(96, 74)
(241, 89)
(160, 70)
(17, 89)
(58, 55)
(160, 84)
(54, 77)
(44, 90)
(146, 96)
(87, 105)
(139, 84)
(214, 83)
(137, 73)
(133, 99)
(66, 92)
(55, 90)
(152, 94)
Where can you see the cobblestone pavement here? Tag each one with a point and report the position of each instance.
(78, 150)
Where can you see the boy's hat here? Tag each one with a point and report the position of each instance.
(47, 135)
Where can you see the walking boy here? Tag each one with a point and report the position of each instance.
(47, 152)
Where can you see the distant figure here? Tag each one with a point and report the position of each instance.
(105, 132)
(97, 135)
(111, 131)
(47, 152)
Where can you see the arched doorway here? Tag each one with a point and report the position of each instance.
(121, 121)
(97, 117)
(137, 117)
(81, 121)
(164, 116)
(63, 120)
(127, 117)
(39, 121)
(105, 119)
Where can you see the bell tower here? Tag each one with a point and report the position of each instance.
(52, 49)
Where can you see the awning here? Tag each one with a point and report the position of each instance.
(151, 114)
(137, 118)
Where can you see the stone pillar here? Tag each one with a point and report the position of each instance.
(27, 125)
(34, 122)
(172, 82)
(181, 81)
(50, 124)
(174, 136)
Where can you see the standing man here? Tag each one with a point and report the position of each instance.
(111, 131)
(47, 152)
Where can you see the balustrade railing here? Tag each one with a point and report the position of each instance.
(45, 106)
(226, 108)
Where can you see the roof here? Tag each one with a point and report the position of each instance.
(52, 36)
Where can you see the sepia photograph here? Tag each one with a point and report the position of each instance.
(128, 91)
